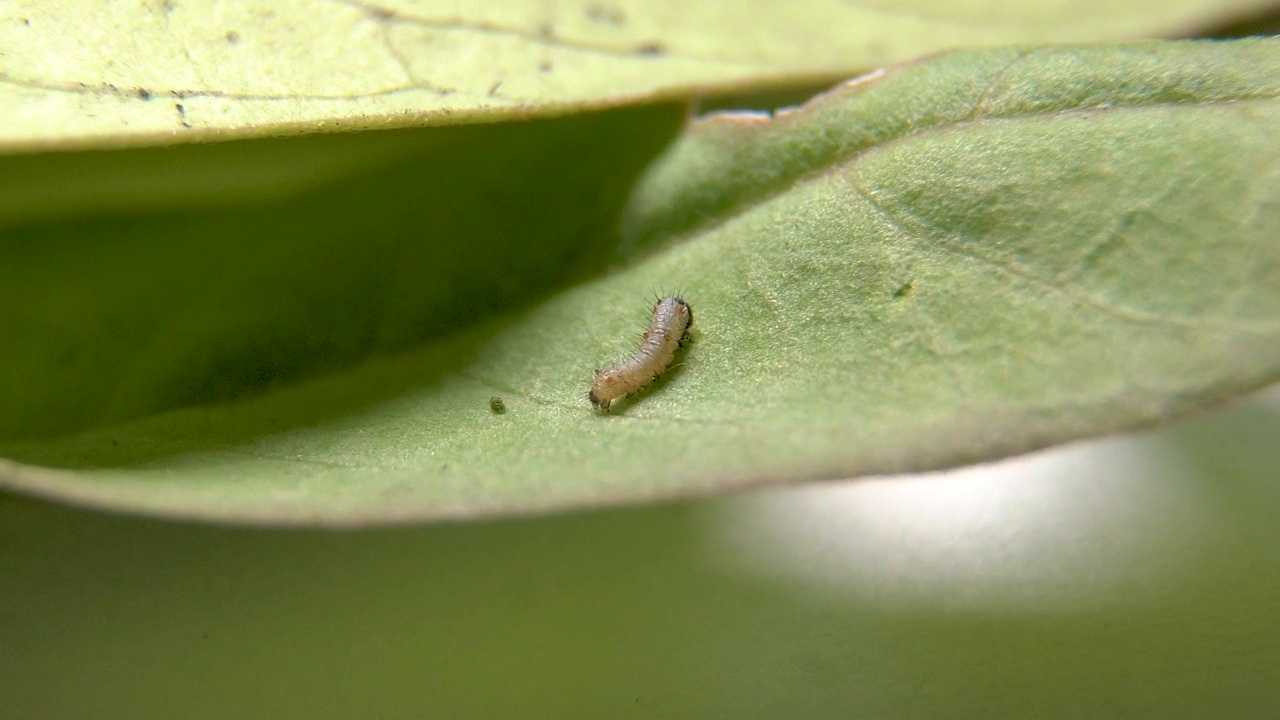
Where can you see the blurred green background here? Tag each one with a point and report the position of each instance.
(1132, 577)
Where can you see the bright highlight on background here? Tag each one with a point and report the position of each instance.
(1048, 532)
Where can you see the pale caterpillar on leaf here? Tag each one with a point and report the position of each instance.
(668, 331)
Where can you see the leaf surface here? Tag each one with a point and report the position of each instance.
(949, 261)
(84, 74)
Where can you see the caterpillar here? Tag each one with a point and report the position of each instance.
(668, 331)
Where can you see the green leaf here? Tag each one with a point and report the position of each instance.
(78, 74)
(951, 261)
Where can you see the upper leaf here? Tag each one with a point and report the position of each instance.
(87, 74)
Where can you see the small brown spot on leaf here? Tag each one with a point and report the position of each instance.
(233, 37)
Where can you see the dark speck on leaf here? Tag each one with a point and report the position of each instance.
(606, 14)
